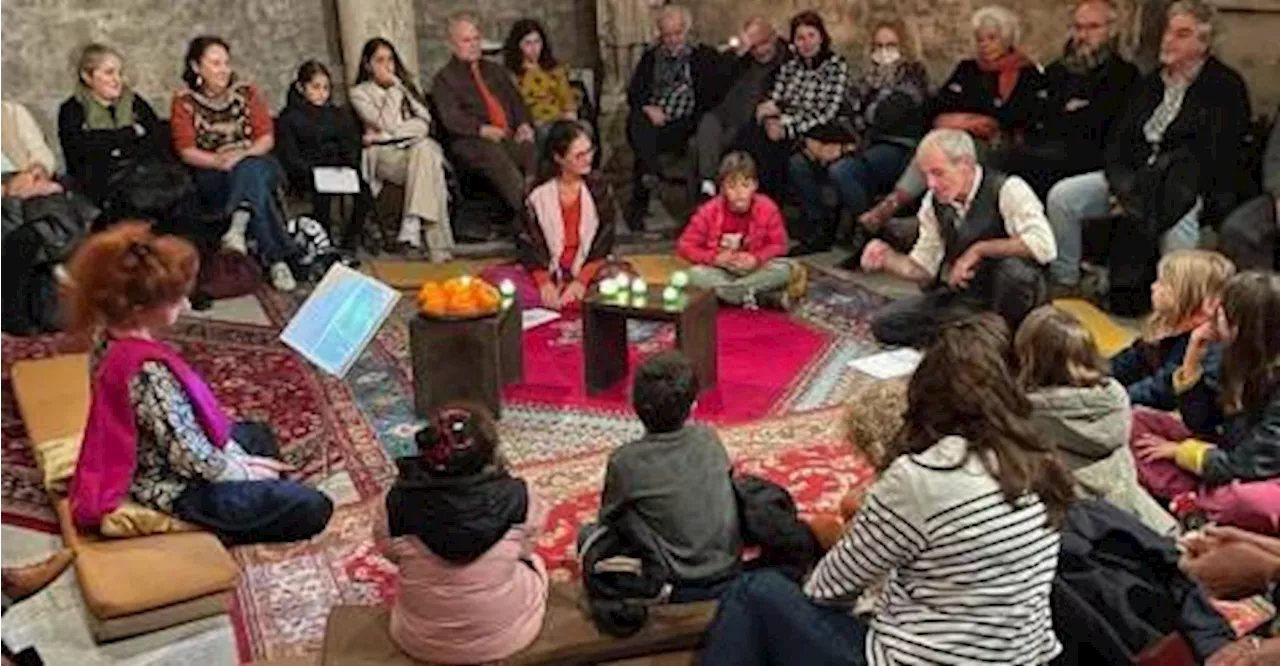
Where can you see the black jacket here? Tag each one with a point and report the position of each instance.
(310, 136)
(93, 157)
(708, 71)
(1248, 444)
(1208, 133)
(1103, 90)
(1118, 589)
(971, 90)
(457, 518)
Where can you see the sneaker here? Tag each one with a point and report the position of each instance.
(235, 241)
(777, 299)
(749, 302)
(410, 232)
(708, 188)
(282, 277)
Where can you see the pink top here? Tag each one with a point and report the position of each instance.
(483, 611)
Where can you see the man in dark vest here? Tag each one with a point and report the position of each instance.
(983, 243)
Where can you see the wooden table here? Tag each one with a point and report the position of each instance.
(604, 336)
(465, 360)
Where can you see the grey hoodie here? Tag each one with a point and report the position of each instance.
(1090, 425)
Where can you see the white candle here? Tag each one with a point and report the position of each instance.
(507, 288)
(670, 294)
(680, 279)
(608, 287)
(638, 286)
(623, 281)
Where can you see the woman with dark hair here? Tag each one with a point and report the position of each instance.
(399, 148)
(156, 434)
(105, 127)
(569, 231)
(961, 527)
(224, 132)
(888, 121)
(462, 529)
(543, 82)
(315, 132)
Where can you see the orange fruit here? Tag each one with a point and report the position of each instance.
(435, 305)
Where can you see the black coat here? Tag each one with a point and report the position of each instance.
(1103, 90)
(971, 90)
(94, 156)
(708, 71)
(310, 136)
(1248, 444)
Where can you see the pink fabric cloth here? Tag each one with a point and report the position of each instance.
(765, 237)
(483, 611)
(526, 287)
(1253, 505)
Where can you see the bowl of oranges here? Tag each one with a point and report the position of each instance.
(458, 298)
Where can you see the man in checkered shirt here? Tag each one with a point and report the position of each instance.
(675, 82)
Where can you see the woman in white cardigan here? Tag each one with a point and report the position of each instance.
(399, 148)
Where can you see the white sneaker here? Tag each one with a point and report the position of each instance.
(282, 277)
(708, 188)
(410, 232)
(234, 241)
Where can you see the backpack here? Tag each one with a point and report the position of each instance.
(38, 234)
(316, 252)
(769, 520)
(621, 583)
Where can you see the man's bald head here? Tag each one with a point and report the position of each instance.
(759, 37)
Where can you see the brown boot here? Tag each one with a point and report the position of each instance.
(22, 582)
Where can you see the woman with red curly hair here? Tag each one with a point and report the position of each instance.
(156, 434)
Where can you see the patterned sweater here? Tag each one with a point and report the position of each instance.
(810, 94)
(546, 92)
(233, 121)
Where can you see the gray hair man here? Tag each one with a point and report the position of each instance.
(982, 243)
(1170, 156)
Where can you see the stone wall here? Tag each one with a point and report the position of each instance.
(269, 39)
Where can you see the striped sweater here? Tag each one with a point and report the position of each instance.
(967, 574)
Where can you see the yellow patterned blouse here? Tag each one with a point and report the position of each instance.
(547, 93)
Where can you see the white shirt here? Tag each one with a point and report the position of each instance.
(968, 574)
(1023, 215)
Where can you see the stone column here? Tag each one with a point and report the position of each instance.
(362, 20)
(625, 28)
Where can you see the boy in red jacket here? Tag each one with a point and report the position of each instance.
(737, 240)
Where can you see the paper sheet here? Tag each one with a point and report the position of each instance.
(536, 317)
(336, 180)
(889, 364)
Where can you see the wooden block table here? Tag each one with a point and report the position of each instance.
(604, 335)
(465, 360)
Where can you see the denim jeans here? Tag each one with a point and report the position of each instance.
(1079, 198)
(251, 185)
(858, 177)
(764, 618)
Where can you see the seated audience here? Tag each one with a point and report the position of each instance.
(967, 487)
(106, 128)
(889, 119)
(1172, 151)
(222, 129)
(484, 117)
(675, 82)
(462, 529)
(22, 144)
(543, 81)
(671, 491)
(315, 132)
(1251, 234)
(995, 97)
(1087, 89)
(736, 241)
(399, 148)
(982, 244)
(730, 125)
(156, 434)
(1232, 563)
(1187, 289)
(1225, 450)
(1082, 410)
(570, 228)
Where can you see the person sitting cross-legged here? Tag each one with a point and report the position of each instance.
(736, 240)
(983, 241)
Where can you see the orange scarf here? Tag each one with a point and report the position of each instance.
(493, 108)
(1008, 66)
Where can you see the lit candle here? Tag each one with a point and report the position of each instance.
(623, 281)
(670, 294)
(465, 280)
(507, 288)
(608, 288)
(680, 279)
(639, 287)
(638, 301)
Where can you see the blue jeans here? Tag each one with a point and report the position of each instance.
(251, 186)
(859, 178)
(765, 619)
(1074, 200)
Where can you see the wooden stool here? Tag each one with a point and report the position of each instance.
(604, 333)
(468, 359)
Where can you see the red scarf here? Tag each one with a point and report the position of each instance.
(1008, 66)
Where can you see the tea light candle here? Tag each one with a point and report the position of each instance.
(670, 294)
(465, 280)
(623, 281)
(680, 279)
(507, 288)
(507, 302)
(608, 288)
(638, 286)
(638, 301)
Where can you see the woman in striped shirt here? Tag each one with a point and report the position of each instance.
(962, 526)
